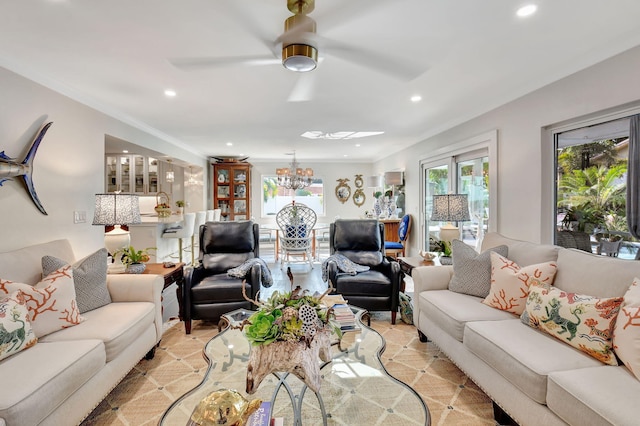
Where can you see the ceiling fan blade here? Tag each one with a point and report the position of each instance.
(189, 64)
(394, 66)
(252, 26)
(346, 11)
(304, 88)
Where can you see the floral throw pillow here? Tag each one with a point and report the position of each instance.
(584, 322)
(16, 333)
(626, 334)
(51, 302)
(510, 283)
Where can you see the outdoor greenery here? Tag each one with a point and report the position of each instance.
(593, 196)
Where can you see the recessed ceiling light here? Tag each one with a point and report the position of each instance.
(357, 145)
(229, 144)
(169, 93)
(527, 10)
(125, 151)
(416, 98)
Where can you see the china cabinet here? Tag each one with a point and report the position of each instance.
(135, 174)
(232, 190)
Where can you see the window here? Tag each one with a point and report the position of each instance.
(275, 197)
(467, 168)
(590, 190)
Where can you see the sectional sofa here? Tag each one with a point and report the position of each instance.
(60, 378)
(533, 376)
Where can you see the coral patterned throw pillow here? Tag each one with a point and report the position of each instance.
(584, 322)
(626, 334)
(16, 333)
(510, 283)
(51, 302)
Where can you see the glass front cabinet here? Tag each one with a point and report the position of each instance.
(231, 190)
(134, 174)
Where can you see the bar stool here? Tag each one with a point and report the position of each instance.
(188, 223)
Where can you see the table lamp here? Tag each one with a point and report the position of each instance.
(115, 209)
(450, 208)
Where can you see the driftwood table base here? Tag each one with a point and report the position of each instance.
(293, 357)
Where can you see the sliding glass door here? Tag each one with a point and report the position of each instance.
(467, 173)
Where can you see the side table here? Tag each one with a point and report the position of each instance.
(175, 274)
(408, 263)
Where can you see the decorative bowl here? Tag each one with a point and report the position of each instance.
(427, 255)
(136, 268)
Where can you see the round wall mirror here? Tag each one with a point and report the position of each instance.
(359, 197)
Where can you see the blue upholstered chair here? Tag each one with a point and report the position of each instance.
(393, 248)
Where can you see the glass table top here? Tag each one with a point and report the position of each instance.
(356, 389)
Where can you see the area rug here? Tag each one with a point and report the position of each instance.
(148, 390)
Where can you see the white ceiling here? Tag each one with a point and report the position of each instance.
(470, 56)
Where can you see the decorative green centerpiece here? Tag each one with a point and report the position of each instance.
(133, 259)
(287, 334)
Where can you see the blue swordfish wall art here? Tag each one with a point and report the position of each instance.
(10, 168)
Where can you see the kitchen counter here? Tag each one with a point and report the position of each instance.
(148, 233)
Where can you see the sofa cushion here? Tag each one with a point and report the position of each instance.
(599, 276)
(451, 310)
(522, 252)
(89, 278)
(472, 271)
(38, 380)
(595, 396)
(510, 282)
(117, 325)
(51, 302)
(522, 355)
(15, 328)
(23, 265)
(626, 332)
(582, 321)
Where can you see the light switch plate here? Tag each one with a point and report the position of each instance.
(80, 216)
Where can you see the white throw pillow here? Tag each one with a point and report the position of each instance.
(626, 333)
(510, 282)
(51, 302)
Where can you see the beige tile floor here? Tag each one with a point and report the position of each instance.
(147, 391)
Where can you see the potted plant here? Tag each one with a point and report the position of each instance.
(180, 206)
(134, 259)
(442, 247)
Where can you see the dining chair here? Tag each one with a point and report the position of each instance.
(393, 248)
(210, 215)
(296, 222)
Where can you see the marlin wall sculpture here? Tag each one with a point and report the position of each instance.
(10, 168)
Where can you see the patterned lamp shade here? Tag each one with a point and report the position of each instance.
(116, 209)
(450, 208)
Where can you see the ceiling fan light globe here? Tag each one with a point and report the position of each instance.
(299, 57)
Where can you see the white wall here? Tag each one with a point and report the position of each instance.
(68, 168)
(525, 150)
(329, 172)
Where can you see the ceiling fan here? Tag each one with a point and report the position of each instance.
(298, 47)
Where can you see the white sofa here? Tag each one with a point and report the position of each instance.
(535, 378)
(66, 374)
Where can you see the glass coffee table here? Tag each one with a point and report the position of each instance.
(356, 388)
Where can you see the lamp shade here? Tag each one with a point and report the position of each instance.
(450, 208)
(374, 181)
(116, 209)
(393, 178)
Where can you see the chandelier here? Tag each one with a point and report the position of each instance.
(294, 177)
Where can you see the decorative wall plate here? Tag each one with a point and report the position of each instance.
(343, 190)
(359, 197)
(358, 182)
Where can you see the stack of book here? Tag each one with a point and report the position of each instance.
(344, 316)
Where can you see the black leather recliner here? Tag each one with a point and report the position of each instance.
(208, 291)
(362, 241)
